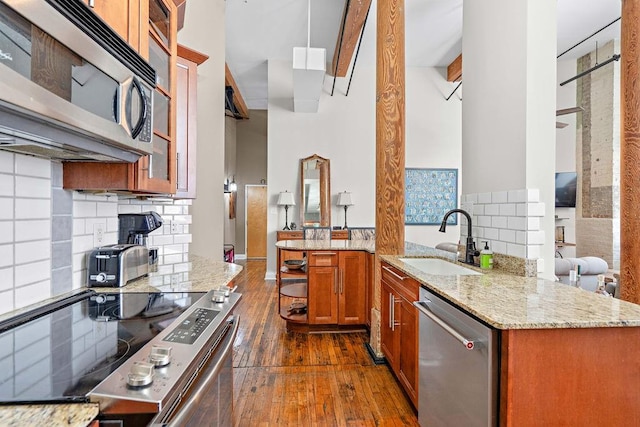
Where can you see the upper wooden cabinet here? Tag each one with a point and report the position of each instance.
(127, 17)
(186, 125)
(156, 173)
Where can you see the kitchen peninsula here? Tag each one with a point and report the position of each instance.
(565, 354)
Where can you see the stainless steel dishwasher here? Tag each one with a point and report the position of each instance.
(458, 366)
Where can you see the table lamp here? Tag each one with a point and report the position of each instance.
(344, 199)
(286, 199)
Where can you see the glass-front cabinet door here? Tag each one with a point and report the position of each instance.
(157, 173)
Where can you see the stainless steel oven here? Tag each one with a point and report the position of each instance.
(156, 358)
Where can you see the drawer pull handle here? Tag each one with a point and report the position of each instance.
(394, 273)
(323, 253)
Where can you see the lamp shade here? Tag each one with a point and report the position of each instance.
(286, 199)
(344, 199)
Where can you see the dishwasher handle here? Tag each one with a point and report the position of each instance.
(468, 344)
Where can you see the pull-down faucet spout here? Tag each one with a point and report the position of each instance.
(470, 250)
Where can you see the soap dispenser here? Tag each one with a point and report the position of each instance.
(486, 257)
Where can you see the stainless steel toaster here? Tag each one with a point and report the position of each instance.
(116, 265)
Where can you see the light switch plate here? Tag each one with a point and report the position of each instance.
(98, 234)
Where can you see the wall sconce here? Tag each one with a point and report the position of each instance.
(230, 186)
(286, 199)
(344, 199)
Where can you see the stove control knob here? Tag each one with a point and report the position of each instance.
(160, 356)
(100, 278)
(141, 374)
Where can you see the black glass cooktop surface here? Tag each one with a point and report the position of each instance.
(63, 354)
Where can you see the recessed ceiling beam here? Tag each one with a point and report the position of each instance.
(454, 70)
(237, 97)
(356, 13)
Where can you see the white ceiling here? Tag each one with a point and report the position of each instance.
(258, 30)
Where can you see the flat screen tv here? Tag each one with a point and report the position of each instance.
(566, 187)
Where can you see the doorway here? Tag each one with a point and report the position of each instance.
(256, 221)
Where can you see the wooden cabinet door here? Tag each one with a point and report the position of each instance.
(186, 121)
(352, 288)
(408, 354)
(323, 296)
(389, 333)
(126, 17)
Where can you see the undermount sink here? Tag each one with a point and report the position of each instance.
(438, 267)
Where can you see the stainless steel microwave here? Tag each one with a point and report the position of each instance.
(70, 87)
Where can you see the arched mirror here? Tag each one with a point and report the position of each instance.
(315, 192)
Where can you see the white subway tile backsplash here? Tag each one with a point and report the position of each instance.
(533, 195)
(79, 226)
(483, 221)
(6, 301)
(516, 223)
(6, 232)
(182, 238)
(484, 198)
(535, 209)
(478, 210)
(6, 279)
(82, 243)
(535, 237)
(184, 267)
(6, 255)
(499, 247)
(540, 263)
(31, 294)
(491, 233)
(112, 224)
(499, 197)
(6, 208)
(33, 187)
(162, 240)
(107, 209)
(521, 209)
(492, 209)
(499, 221)
(173, 210)
(533, 224)
(173, 259)
(31, 273)
(508, 236)
(507, 209)
(33, 166)
(6, 185)
(533, 251)
(32, 251)
(6, 162)
(129, 209)
(517, 196)
(521, 237)
(33, 208)
(84, 209)
(35, 229)
(182, 219)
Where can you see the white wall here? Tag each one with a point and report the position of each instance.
(204, 31)
(343, 130)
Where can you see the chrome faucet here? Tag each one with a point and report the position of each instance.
(470, 250)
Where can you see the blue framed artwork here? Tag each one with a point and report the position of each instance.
(429, 194)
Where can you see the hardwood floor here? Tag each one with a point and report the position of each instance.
(293, 379)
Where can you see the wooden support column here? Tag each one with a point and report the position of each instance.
(630, 153)
(390, 142)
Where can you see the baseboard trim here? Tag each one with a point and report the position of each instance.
(377, 360)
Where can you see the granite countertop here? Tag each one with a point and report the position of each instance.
(202, 275)
(64, 414)
(507, 301)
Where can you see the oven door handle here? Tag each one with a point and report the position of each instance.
(181, 417)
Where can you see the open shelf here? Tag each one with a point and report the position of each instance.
(294, 290)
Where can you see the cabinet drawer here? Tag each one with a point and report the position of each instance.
(322, 259)
(289, 235)
(406, 286)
